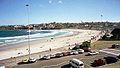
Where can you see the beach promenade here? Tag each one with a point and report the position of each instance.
(40, 45)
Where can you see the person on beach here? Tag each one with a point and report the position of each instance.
(50, 49)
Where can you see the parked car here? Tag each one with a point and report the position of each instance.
(52, 55)
(76, 63)
(111, 59)
(46, 57)
(27, 61)
(58, 55)
(66, 53)
(87, 49)
(98, 62)
(80, 51)
(24, 61)
(32, 60)
(74, 52)
(115, 46)
(93, 53)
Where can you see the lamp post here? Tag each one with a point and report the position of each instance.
(28, 31)
(101, 17)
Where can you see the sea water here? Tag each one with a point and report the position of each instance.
(16, 36)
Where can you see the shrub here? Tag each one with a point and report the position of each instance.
(85, 44)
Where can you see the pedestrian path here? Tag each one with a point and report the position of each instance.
(111, 51)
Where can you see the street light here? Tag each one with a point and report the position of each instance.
(28, 31)
(101, 17)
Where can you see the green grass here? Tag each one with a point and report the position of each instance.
(106, 44)
(103, 44)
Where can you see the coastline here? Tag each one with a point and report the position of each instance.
(40, 45)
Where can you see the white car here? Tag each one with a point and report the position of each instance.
(80, 50)
(74, 52)
(32, 60)
(93, 53)
(52, 55)
(47, 57)
(76, 63)
(27, 61)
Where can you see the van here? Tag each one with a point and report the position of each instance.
(76, 63)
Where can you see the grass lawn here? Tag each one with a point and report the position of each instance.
(106, 44)
(103, 44)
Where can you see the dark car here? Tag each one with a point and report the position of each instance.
(110, 59)
(115, 46)
(98, 62)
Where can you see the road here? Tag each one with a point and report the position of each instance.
(62, 62)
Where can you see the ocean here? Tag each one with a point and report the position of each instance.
(16, 36)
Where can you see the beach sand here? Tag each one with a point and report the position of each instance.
(40, 45)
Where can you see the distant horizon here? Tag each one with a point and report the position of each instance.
(14, 12)
(61, 22)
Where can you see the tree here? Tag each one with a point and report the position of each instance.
(85, 44)
(116, 33)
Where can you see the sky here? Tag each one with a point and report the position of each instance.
(14, 12)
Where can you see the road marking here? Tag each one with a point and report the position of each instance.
(54, 65)
(111, 51)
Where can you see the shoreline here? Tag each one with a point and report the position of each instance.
(57, 42)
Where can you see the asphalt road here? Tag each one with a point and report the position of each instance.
(63, 61)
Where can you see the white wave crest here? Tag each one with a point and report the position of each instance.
(23, 38)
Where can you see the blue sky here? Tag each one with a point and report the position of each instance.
(45, 11)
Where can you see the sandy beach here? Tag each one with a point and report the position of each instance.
(40, 45)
